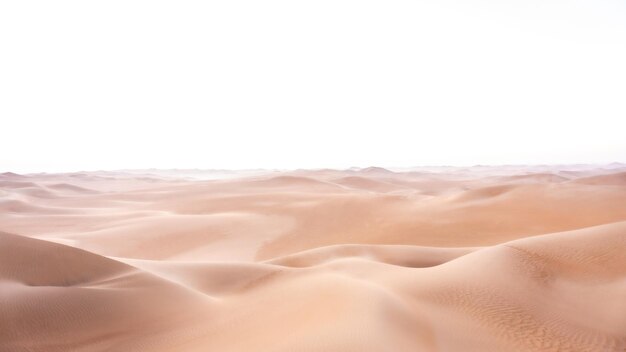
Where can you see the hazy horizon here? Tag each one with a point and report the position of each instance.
(528, 167)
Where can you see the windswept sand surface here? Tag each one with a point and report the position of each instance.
(431, 259)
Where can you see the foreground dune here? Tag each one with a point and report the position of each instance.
(442, 259)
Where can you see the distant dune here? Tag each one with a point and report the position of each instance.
(616, 179)
(508, 258)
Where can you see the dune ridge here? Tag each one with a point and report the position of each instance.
(433, 259)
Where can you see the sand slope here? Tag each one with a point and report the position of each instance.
(475, 259)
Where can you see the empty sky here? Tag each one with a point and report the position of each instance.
(303, 84)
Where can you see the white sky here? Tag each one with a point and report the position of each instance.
(303, 84)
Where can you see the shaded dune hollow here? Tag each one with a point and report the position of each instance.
(521, 258)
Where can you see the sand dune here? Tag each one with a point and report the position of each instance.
(433, 259)
(400, 255)
(615, 179)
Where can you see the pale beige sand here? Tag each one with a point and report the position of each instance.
(431, 259)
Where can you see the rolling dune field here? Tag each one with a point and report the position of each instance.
(510, 258)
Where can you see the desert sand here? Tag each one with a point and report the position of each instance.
(510, 258)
